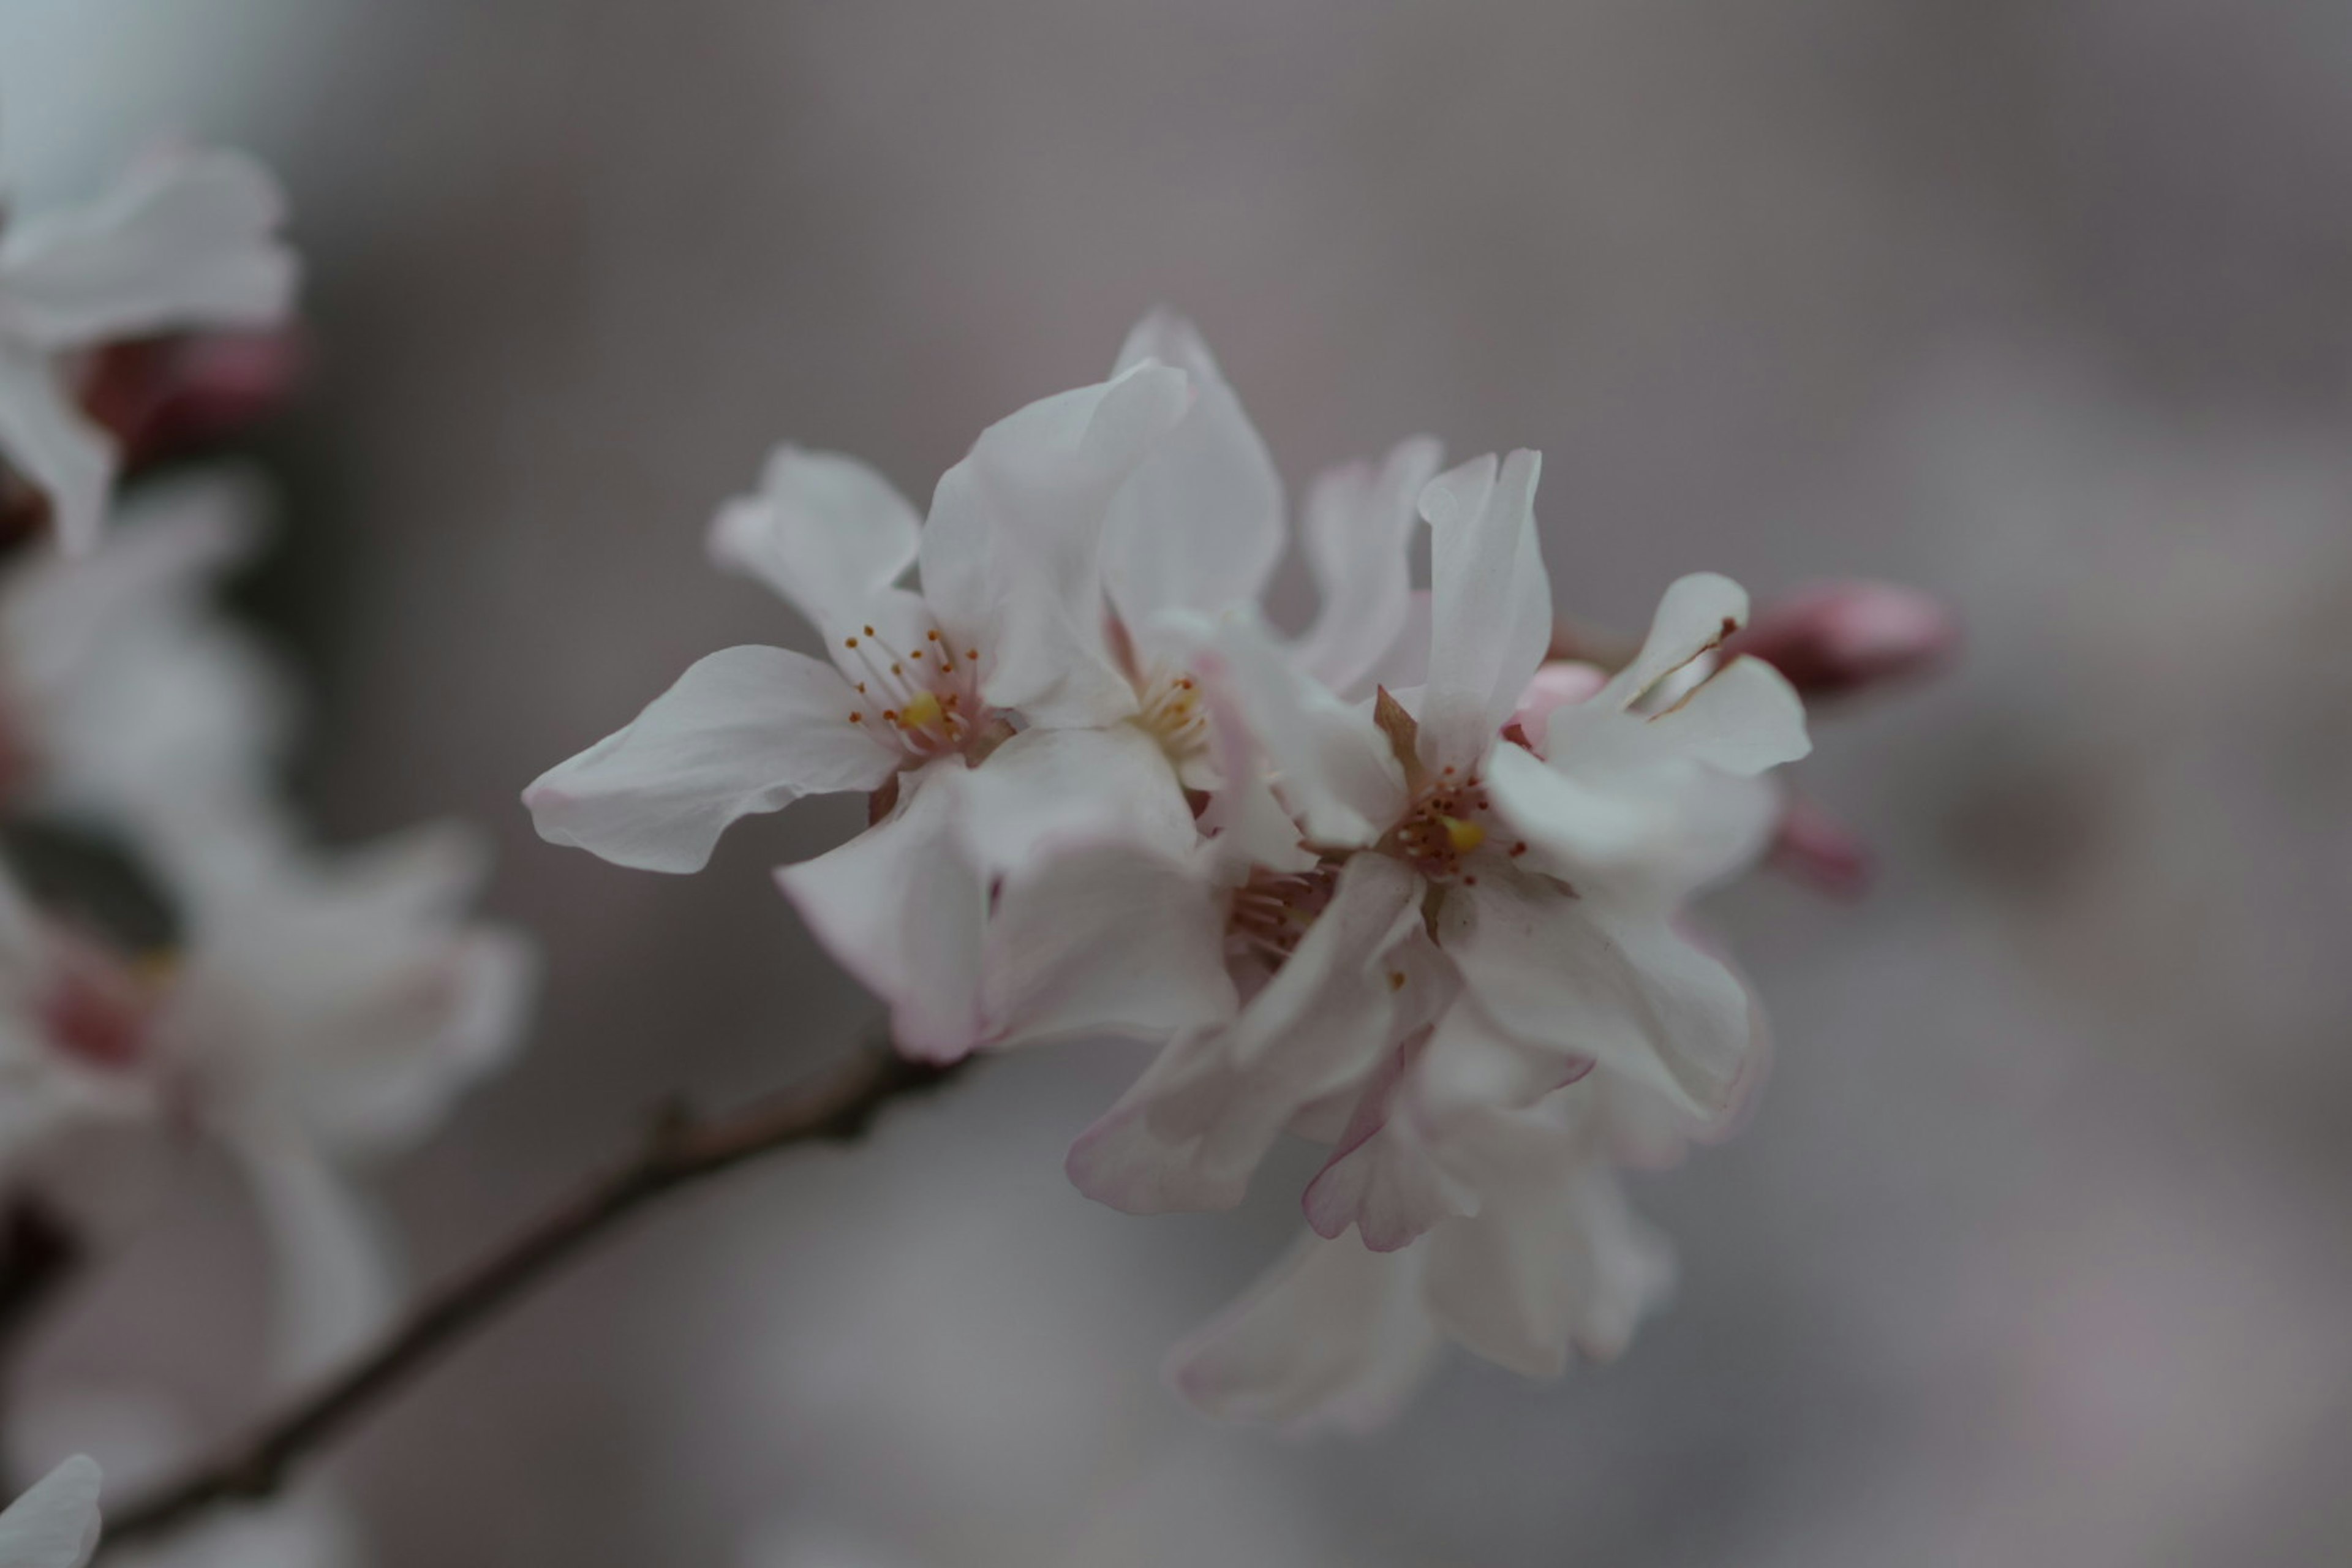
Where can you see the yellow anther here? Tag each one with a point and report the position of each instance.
(921, 708)
(1464, 836)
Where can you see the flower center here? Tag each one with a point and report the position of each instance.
(1169, 709)
(1447, 823)
(1273, 910)
(924, 699)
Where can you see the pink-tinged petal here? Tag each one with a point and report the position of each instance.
(55, 1524)
(1357, 534)
(1334, 1338)
(1560, 683)
(45, 439)
(1655, 834)
(902, 907)
(1193, 1130)
(1407, 1159)
(336, 1284)
(1104, 939)
(825, 530)
(1553, 1260)
(1842, 638)
(1011, 555)
(1198, 524)
(746, 730)
(1584, 978)
(1490, 603)
(189, 240)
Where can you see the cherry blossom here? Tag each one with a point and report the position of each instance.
(187, 239)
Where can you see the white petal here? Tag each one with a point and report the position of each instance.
(1048, 785)
(348, 997)
(903, 908)
(1011, 554)
(825, 530)
(188, 239)
(1408, 1158)
(54, 1524)
(1357, 534)
(1198, 524)
(1695, 615)
(46, 439)
(1744, 718)
(337, 1286)
(1244, 825)
(1553, 1259)
(1490, 603)
(1193, 1130)
(1336, 1337)
(1656, 834)
(1104, 939)
(746, 730)
(1332, 766)
(1585, 978)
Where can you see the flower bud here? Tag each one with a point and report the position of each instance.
(1845, 638)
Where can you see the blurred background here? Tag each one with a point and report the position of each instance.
(2035, 1249)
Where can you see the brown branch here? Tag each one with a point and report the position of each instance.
(837, 1104)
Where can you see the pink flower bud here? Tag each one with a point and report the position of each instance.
(1820, 851)
(161, 397)
(1845, 638)
(1556, 684)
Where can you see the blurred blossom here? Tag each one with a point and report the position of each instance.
(219, 974)
(187, 239)
(54, 1524)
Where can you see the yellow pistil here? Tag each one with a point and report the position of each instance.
(923, 707)
(1463, 835)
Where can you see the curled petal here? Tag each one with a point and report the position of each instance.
(745, 730)
(1697, 614)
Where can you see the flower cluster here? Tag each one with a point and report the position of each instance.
(1398, 884)
(175, 955)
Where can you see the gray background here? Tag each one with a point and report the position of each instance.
(2035, 1249)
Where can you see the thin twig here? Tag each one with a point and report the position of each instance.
(837, 1104)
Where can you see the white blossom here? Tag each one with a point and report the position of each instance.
(188, 239)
